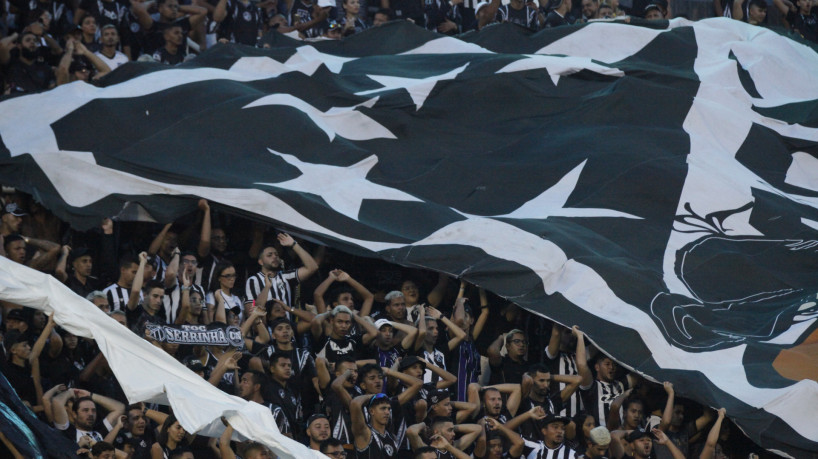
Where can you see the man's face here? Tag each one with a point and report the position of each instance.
(431, 332)
(654, 14)
(494, 402)
(269, 259)
(246, 386)
(443, 408)
(397, 308)
(757, 15)
(110, 37)
(106, 455)
(16, 251)
(13, 222)
(554, 434)
(595, 450)
(137, 422)
(174, 35)
(344, 366)
(128, 274)
(633, 415)
(446, 430)
(154, 298)
(540, 386)
(282, 369)
(410, 292)
(21, 350)
(318, 430)
(283, 333)
(605, 12)
(373, 382)
(218, 240)
(379, 19)
(121, 319)
(642, 447)
(495, 448)
(385, 334)
(83, 265)
(341, 324)
(589, 8)
(803, 6)
(102, 304)
(18, 325)
(189, 264)
(345, 299)
(86, 415)
(335, 451)
(380, 413)
(605, 369)
(517, 346)
(89, 25)
(416, 371)
(678, 416)
(169, 9)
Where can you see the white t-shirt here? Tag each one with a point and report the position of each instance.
(118, 59)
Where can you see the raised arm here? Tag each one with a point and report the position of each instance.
(220, 11)
(61, 419)
(469, 433)
(411, 333)
(457, 334)
(483, 317)
(662, 439)
(784, 6)
(413, 385)
(173, 269)
(308, 262)
(515, 439)
(60, 271)
(495, 359)
(157, 241)
(738, 11)
(225, 450)
(446, 379)
(420, 338)
(667, 414)
(571, 385)
(709, 450)
(204, 236)
(363, 292)
(340, 390)
(100, 66)
(552, 350)
(515, 395)
(582, 359)
(136, 287)
(227, 362)
(534, 414)
(413, 433)
(439, 290)
(318, 293)
(370, 331)
(360, 431)
(197, 14)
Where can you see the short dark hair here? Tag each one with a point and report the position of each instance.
(366, 369)
(77, 402)
(258, 377)
(180, 451)
(278, 356)
(538, 368)
(486, 390)
(152, 284)
(11, 238)
(758, 4)
(127, 260)
(631, 400)
(324, 445)
(101, 447)
(440, 420)
(423, 450)
(386, 11)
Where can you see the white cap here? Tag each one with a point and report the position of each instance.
(326, 3)
(479, 6)
(381, 322)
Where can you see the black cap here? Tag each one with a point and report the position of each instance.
(636, 434)
(438, 396)
(13, 337)
(410, 360)
(13, 209)
(279, 321)
(79, 252)
(18, 314)
(314, 418)
(551, 417)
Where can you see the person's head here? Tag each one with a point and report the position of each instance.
(654, 12)
(89, 25)
(182, 452)
(440, 404)
(757, 12)
(352, 7)
(69, 340)
(432, 331)
(341, 321)
(137, 422)
(171, 430)
(128, 265)
(268, 258)
(564, 6)
(495, 445)
(492, 401)
(590, 8)
(641, 443)
(412, 366)
(189, 262)
(255, 450)
(540, 376)
(225, 272)
(38, 320)
(82, 262)
(154, 292)
(18, 347)
(11, 216)
(410, 291)
(174, 35)
(482, 13)
(347, 363)
(517, 344)
(103, 450)
(553, 430)
(395, 305)
(634, 412)
(677, 418)
(425, 452)
(110, 36)
(605, 11)
(120, 317)
(443, 427)
(196, 303)
(18, 319)
(605, 369)
(385, 333)
(85, 413)
(233, 317)
(15, 247)
(250, 384)
(100, 300)
(804, 6)
(281, 366)
(379, 409)
(597, 442)
(168, 10)
(343, 296)
(333, 448)
(317, 428)
(282, 330)
(381, 17)
(218, 240)
(370, 378)
(584, 423)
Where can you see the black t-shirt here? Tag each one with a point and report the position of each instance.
(138, 317)
(105, 12)
(509, 371)
(155, 39)
(289, 402)
(806, 25)
(555, 20)
(142, 444)
(340, 423)
(21, 380)
(529, 429)
(243, 22)
(333, 349)
(164, 56)
(78, 287)
(525, 16)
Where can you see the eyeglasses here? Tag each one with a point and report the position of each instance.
(228, 276)
(341, 453)
(518, 341)
(190, 262)
(376, 397)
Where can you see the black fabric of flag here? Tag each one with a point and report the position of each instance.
(642, 183)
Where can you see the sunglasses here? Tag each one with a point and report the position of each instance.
(376, 397)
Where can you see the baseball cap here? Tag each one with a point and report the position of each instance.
(551, 417)
(438, 396)
(381, 322)
(410, 360)
(480, 6)
(279, 321)
(17, 314)
(636, 434)
(13, 209)
(654, 6)
(314, 418)
(600, 436)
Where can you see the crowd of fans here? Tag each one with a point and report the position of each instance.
(44, 43)
(353, 357)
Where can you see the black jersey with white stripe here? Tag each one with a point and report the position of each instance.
(530, 430)
(566, 364)
(173, 301)
(284, 288)
(538, 450)
(526, 17)
(117, 296)
(599, 397)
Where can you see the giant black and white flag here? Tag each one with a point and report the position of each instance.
(656, 186)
